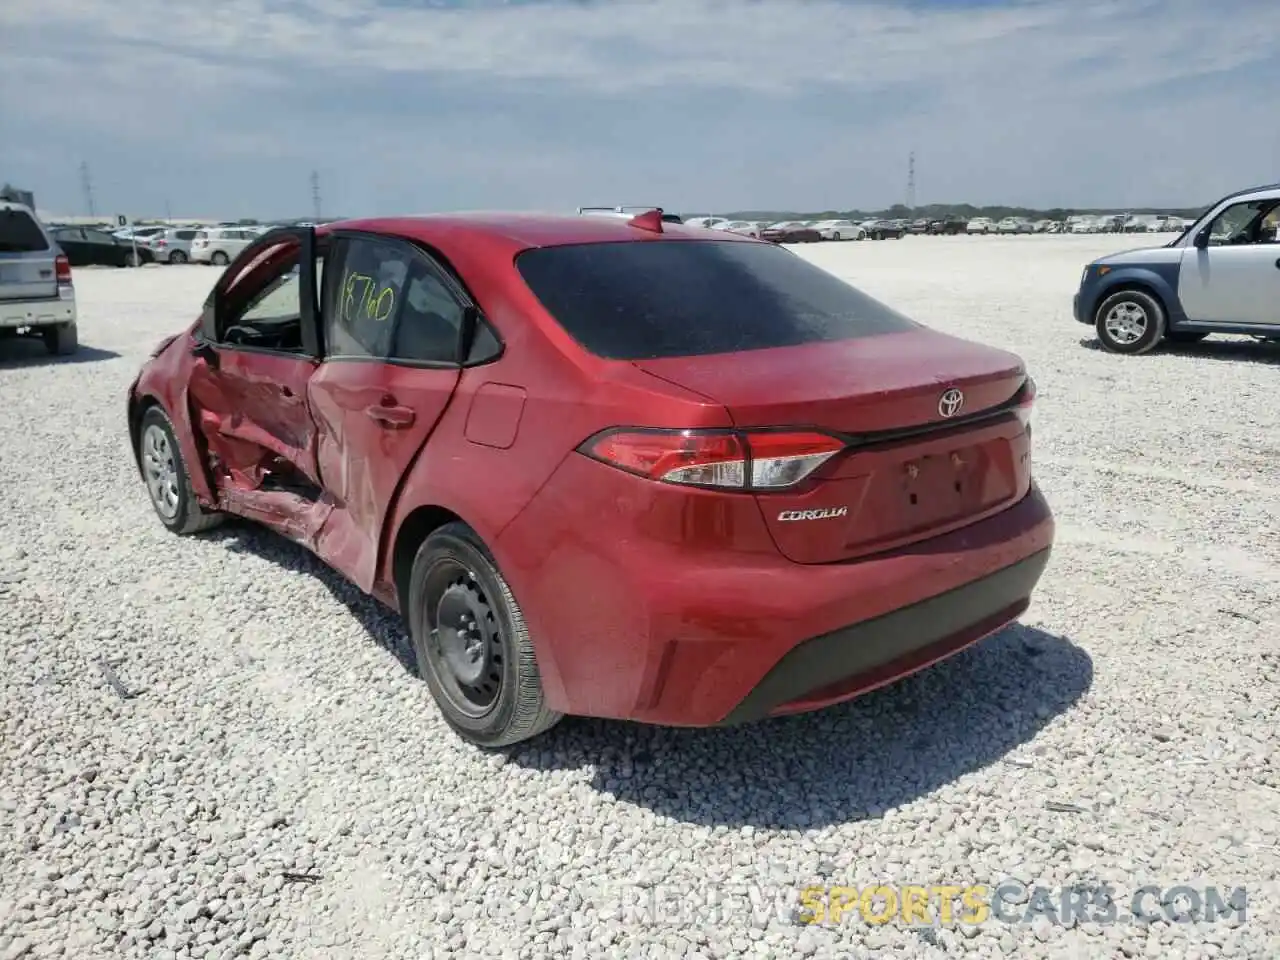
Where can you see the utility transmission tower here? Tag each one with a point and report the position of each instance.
(911, 181)
(315, 194)
(86, 182)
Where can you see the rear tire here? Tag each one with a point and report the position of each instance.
(1129, 322)
(166, 477)
(62, 340)
(471, 643)
(219, 259)
(177, 257)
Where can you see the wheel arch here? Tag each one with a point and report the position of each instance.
(1155, 284)
(417, 525)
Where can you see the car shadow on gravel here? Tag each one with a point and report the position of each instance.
(384, 627)
(846, 763)
(842, 764)
(29, 352)
(1235, 351)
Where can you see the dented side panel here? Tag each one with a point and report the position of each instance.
(373, 420)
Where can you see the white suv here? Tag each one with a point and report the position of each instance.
(36, 295)
(220, 245)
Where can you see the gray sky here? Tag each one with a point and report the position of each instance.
(223, 109)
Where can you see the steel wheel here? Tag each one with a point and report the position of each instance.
(465, 645)
(161, 471)
(1126, 323)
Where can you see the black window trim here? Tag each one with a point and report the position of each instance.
(312, 350)
(453, 284)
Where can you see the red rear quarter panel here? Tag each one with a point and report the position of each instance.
(569, 395)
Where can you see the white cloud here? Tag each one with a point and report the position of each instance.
(1035, 100)
(763, 46)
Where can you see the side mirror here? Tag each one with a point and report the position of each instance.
(1202, 238)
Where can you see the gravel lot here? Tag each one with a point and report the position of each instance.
(1126, 732)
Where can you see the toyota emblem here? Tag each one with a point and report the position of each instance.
(949, 403)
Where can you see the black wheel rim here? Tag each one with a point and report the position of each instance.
(465, 649)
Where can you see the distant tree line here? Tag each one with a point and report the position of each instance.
(948, 211)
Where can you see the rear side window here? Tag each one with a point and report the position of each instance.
(646, 299)
(19, 233)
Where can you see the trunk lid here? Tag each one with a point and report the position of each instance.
(910, 472)
(27, 269)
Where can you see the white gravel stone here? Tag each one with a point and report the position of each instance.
(275, 731)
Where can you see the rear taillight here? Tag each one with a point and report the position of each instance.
(1026, 402)
(159, 243)
(62, 268)
(723, 459)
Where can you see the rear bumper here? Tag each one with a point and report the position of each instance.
(37, 313)
(858, 658)
(685, 614)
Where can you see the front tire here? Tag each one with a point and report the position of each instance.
(471, 642)
(177, 257)
(1129, 322)
(168, 482)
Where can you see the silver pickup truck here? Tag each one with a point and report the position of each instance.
(36, 293)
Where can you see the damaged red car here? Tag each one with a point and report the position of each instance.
(605, 467)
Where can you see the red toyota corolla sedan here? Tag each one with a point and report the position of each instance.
(605, 467)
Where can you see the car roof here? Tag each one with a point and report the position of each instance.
(1253, 193)
(509, 233)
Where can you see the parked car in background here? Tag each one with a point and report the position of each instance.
(1221, 275)
(746, 228)
(713, 223)
(839, 230)
(790, 231)
(37, 296)
(980, 225)
(173, 244)
(790, 492)
(884, 230)
(86, 247)
(141, 234)
(918, 227)
(948, 226)
(1015, 225)
(629, 210)
(220, 245)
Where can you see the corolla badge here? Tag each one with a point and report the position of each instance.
(950, 402)
(826, 513)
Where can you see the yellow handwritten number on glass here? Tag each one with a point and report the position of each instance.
(377, 307)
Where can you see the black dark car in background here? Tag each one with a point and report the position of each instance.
(86, 247)
(885, 230)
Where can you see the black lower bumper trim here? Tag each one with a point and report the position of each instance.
(862, 648)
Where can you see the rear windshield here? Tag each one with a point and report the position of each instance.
(20, 234)
(641, 300)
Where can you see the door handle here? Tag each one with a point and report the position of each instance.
(391, 415)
